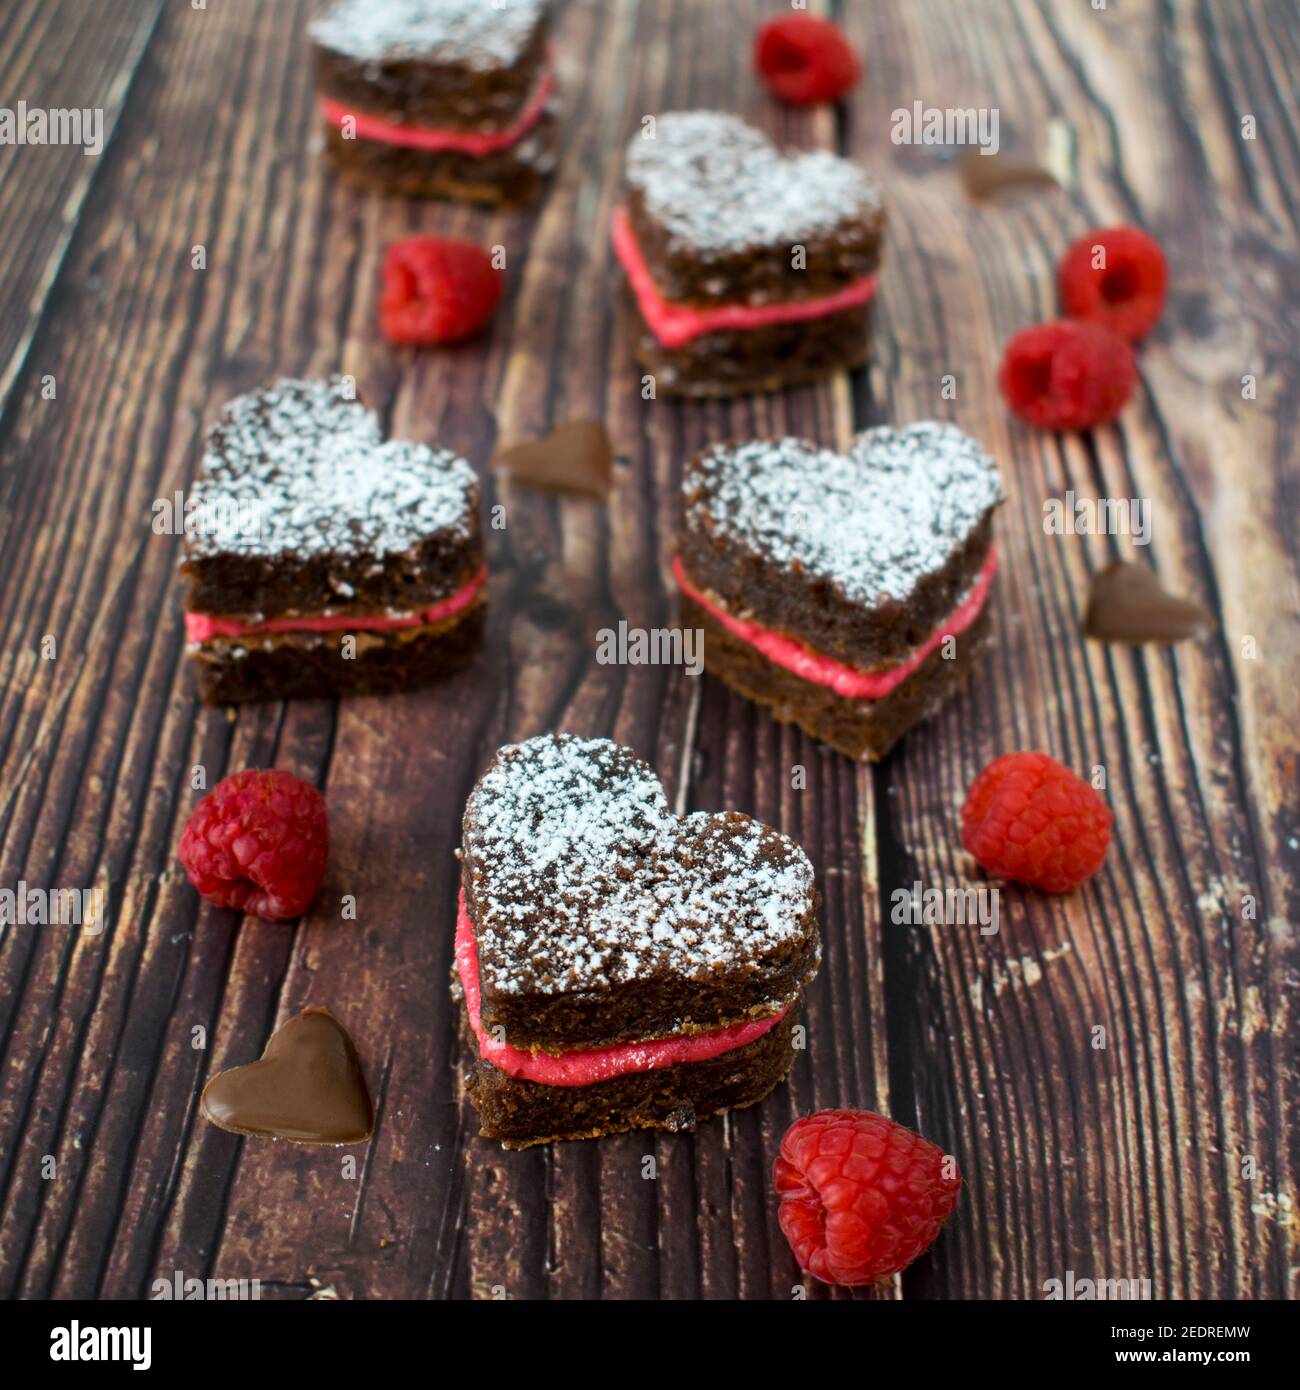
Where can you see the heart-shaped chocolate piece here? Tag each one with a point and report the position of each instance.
(308, 1087)
(986, 175)
(718, 186)
(576, 457)
(600, 916)
(1127, 603)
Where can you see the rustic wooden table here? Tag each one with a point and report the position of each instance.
(1167, 1155)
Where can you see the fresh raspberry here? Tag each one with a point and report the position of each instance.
(861, 1197)
(436, 290)
(1117, 277)
(804, 59)
(1029, 819)
(257, 842)
(1067, 375)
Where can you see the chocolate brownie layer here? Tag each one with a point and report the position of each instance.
(600, 917)
(303, 507)
(522, 1113)
(860, 555)
(512, 177)
(718, 211)
(861, 729)
(285, 665)
(464, 65)
(755, 359)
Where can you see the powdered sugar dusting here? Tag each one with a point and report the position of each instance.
(476, 34)
(874, 520)
(721, 185)
(578, 835)
(311, 466)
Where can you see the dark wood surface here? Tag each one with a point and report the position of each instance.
(1169, 1155)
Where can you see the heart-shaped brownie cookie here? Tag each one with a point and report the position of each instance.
(306, 465)
(601, 917)
(715, 184)
(847, 592)
(322, 559)
(308, 1087)
(475, 36)
(749, 269)
(439, 98)
(861, 553)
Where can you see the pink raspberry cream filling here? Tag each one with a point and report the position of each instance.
(434, 139)
(675, 324)
(814, 666)
(201, 626)
(586, 1067)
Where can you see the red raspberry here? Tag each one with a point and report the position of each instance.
(257, 842)
(436, 290)
(861, 1197)
(804, 59)
(1029, 819)
(1066, 375)
(1125, 292)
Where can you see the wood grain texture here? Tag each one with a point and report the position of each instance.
(63, 55)
(1125, 1162)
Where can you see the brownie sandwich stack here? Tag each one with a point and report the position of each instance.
(749, 269)
(846, 592)
(322, 559)
(620, 967)
(439, 98)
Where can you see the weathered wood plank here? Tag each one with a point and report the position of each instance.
(56, 55)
